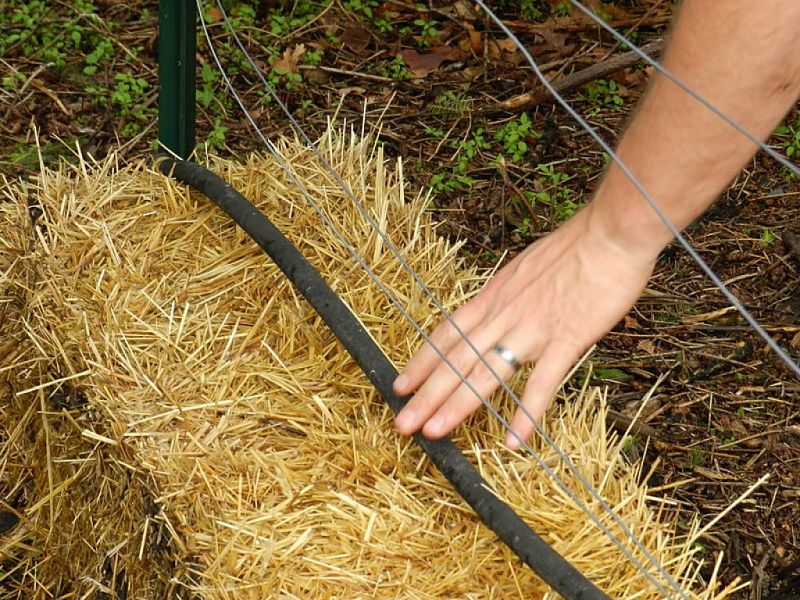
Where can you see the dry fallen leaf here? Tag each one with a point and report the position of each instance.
(471, 73)
(465, 10)
(290, 58)
(356, 38)
(631, 323)
(507, 45)
(734, 425)
(421, 65)
(647, 346)
(556, 43)
(795, 343)
(498, 49)
(475, 41)
(214, 14)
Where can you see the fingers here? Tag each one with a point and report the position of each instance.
(444, 337)
(484, 378)
(544, 306)
(466, 399)
(443, 382)
(552, 366)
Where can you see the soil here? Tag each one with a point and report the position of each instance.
(724, 410)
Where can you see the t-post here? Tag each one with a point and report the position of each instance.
(177, 30)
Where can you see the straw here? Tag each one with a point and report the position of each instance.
(182, 423)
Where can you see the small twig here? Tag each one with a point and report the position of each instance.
(32, 77)
(580, 26)
(36, 84)
(351, 73)
(501, 167)
(307, 27)
(632, 28)
(729, 508)
(590, 73)
(755, 436)
(759, 575)
(622, 423)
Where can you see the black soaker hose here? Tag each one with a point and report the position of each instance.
(496, 514)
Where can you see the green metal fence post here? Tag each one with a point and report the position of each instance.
(177, 27)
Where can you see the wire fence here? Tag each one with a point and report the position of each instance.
(653, 571)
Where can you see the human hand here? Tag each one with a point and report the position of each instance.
(548, 305)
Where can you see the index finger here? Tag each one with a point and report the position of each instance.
(443, 338)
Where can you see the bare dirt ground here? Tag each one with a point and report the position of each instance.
(505, 169)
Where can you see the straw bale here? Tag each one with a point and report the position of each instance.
(14, 477)
(195, 428)
(78, 506)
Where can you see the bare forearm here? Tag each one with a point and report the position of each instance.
(744, 58)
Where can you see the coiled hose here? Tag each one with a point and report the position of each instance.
(496, 514)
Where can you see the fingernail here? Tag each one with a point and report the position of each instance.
(405, 420)
(512, 443)
(435, 425)
(400, 383)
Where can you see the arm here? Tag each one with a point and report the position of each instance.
(744, 58)
(567, 290)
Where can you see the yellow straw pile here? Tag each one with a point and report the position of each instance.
(178, 422)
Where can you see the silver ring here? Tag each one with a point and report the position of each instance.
(508, 356)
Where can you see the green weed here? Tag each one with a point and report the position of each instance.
(102, 51)
(767, 238)
(129, 97)
(564, 206)
(216, 138)
(129, 92)
(429, 33)
(514, 135)
(398, 68)
(313, 57)
(469, 149)
(560, 198)
(791, 137)
(37, 34)
(562, 9)
(302, 12)
(364, 7)
(242, 15)
(434, 133)
(699, 548)
(553, 177)
(611, 374)
(527, 228)
(278, 77)
(605, 92)
(383, 25)
(697, 457)
(530, 9)
(450, 182)
(450, 105)
(14, 81)
(208, 79)
(631, 442)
